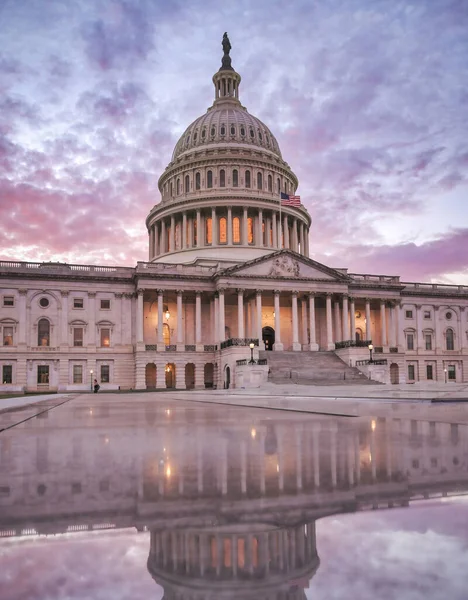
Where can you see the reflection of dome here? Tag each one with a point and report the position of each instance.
(227, 124)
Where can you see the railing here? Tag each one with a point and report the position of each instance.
(262, 361)
(352, 344)
(382, 361)
(378, 350)
(171, 348)
(190, 347)
(393, 350)
(151, 347)
(44, 349)
(244, 361)
(238, 342)
(241, 363)
(210, 347)
(65, 268)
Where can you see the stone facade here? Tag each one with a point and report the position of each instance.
(228, 263)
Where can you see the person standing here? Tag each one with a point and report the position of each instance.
(96, 386)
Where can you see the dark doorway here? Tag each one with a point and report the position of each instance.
(268, 337)
(227, 380)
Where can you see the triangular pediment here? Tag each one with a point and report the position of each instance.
(285, 264)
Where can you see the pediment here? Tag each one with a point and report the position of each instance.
(285, 264)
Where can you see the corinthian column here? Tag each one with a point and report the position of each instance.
(278, 346)
(198, 327)
(345, 319)
(240, 314)
(368, 321)
(383, 323)
(295, 329)
(140, 316)
(330, 344)
(221, 317)
(259, 319)
(312, 333)
(180, 326)
(160, 321)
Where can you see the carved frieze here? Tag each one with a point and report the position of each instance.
(284, 266)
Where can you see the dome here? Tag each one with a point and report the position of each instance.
(226, 123)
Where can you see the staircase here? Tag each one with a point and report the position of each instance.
(311, 368)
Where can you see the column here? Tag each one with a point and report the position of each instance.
(160, 321)
(214, 227)
(312, 333)
(64, 324)
(22, 317)
(352, 316)
(229, 226)
(260, 228)
(305, 338)
(199, 231)
(261, 346)
(330, 344)
(278, 346)
(274, 230)
(240, 314)
(306, 234)
(221, 317)
(163, 237)
(295, 240)
(150, 243)
(156, 240)
(280, 233)
(172, 235)
(180, 326)
(436, 328)
(91, 318)
(301, 231)
(368, 321)
(295, 329)
(245, 234)
(216, 318)
(383, 323)
(139, 317)
(286, 231)
(392, 338)
(190, 232)
(337, 321)
(198, 324)
(345, 319)
(418, 345)
(184, 231)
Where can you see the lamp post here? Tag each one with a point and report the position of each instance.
(445, 375)
(91, 379)
(371, 347)
(251, 346)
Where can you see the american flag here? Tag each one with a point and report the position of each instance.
(287, 200)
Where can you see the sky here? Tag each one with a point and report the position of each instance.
(368, 100)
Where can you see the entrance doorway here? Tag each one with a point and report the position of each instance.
(268, 337)
(227, 378)
(189, 376)
(150, 376)
(170, 371)
(43, 377)
(394, 374)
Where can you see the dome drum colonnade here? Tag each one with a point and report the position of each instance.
(222, 188)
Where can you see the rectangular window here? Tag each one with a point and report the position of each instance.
(105, 338)
(8, 300)
(409, 341)
(78, 303)
(429, 372)
(428, 340)
(427, 314)
(7, 374)
(452, 374)
(77, 374)
(8, 336)
(104, 373)
(43, 374)
(409, 314)
(411, 372)
(78, 336)
(105, 304)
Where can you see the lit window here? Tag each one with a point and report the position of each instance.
(235, 178)
(105, 374)
(78, 303)
(78, 336)
(222, 230)
(105, 304)
(222, 178)
(449, 338)
(7, 374)
(105, 338)
(236, 230)
(8, 336)
(209, 230)
(8, 300)
(247, 179)
(428, 340)
(250, 232)
(409, 341)
(77, 374)
(43, 333)
(209, 179)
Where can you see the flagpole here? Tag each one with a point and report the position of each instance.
(280, 244)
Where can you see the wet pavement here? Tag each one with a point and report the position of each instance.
(147, 495)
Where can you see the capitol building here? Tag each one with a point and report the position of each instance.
(228, 268)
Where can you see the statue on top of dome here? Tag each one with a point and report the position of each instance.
(226, 43)
(226, 60)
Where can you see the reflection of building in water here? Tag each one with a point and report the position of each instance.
(234, 561)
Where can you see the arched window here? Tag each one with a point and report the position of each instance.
(235, 178)
(223, 230)
(187, 184)
(166, 334)
(209, 179)
(247, 179)
(449, 339)
(242, 131)
(178, 186)
(236, 230)
(270, 183)
(278, 185)
(250, 230)
(259, 181)
(208, 230)
(252, 133)
(197, 181)
(233, 130)
(43, 333)
(203, 133)
(213, 131)
(222, 178)
(223, 130)
(172, 190)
